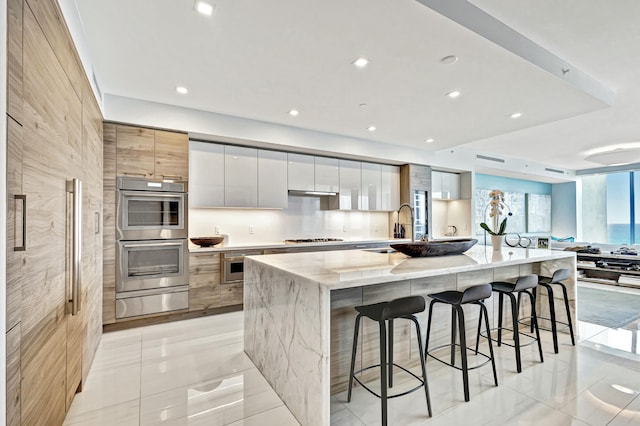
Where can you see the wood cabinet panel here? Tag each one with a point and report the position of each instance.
(14, 59)
(13, 376)
(231, 294)
(15, 210)
(204, 281)
(135, 151)
(109, 224)
(171, 155)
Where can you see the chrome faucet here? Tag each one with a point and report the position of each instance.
(412, 223)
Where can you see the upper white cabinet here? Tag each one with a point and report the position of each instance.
(240, 176)
(206, 170)
(272, 179)
(445, 186)
(301, 172)
(327, 174)
(390, 190)
(371, 186)
(350, 185)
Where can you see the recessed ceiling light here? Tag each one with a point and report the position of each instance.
(371, 128)
(361, 62)
(204, 8)
(294, 112)
(516, 115)
(182, 90)
(454, 94)
(450, 59)
(430, 140)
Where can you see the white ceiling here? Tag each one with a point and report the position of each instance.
(259, 59)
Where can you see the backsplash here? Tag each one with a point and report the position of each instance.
(303, 218)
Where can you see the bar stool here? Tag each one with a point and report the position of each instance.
(402, 308)
(523, 285)
(546, 282)
(473, 295)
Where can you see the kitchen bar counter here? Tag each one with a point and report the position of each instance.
(299, 309)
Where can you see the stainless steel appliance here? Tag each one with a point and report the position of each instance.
(233, 265)
(150, 264)
(152, 255)
(312, 240)
(148, 209)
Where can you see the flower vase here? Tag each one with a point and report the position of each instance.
(496, 242)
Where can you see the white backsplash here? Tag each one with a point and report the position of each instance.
(301, 219)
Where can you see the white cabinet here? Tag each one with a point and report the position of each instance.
(272, 179)
(301, 172)
(206, 172)
(371, 185)
(390, 189)
(350, 185)
(445, 186)
(327, 174)
(240, 176)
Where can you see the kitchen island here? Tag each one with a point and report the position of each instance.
(298, 310)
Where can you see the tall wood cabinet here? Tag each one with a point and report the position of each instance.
(54, 135)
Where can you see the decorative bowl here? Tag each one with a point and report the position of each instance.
(435, 248)
(206, 241)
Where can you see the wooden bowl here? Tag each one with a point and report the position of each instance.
(206, 241)
(435, 248)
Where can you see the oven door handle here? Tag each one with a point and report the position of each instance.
(153, 244)
(152, 194)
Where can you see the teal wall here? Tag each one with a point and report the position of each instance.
(512, 185)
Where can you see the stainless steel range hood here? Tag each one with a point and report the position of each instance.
(311, 193)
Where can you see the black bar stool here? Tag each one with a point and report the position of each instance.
(472, 295)
(524, 284)
(546, 282)
(405, 308)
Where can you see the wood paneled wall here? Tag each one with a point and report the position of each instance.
(54, 135)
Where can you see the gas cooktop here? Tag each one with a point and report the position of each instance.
(312, 240)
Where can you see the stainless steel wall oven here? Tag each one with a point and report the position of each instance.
(152, 255)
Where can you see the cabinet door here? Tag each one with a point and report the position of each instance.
(206, 168)
(135, 151)
(390, 192)
(172, 155)
(454, 186)
(371, 185)
(301, 172)
(240, 176)
(272, 179)
(350, 185)
(436, 185)
(327, 174)
(204, 281)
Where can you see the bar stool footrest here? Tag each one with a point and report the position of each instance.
(529, 336)
(420, 386)
(448, 345)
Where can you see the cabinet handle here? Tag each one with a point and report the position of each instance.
(97, 224)
(75, 187)
(23, 198)
(172, 177)
(134, 174)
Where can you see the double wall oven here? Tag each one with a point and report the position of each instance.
(152, 253)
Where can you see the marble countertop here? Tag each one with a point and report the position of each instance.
(354, 268)
(281, 244)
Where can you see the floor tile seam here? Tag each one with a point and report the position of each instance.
(637, 397)
(140, 384)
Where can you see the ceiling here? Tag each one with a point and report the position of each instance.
(260, 59)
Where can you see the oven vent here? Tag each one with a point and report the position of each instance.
(554, 170)
(486, 157)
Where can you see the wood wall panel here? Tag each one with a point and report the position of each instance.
(204, 281)
(172, 155)
(13, 376)
(14, 59)
(135, 151)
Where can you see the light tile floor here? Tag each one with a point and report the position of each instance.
(195, 372)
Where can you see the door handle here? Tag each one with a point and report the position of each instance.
(23, 198)
(75, 188)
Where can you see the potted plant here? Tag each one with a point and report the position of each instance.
(496, 209)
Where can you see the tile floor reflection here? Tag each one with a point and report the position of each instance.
(195, 372)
